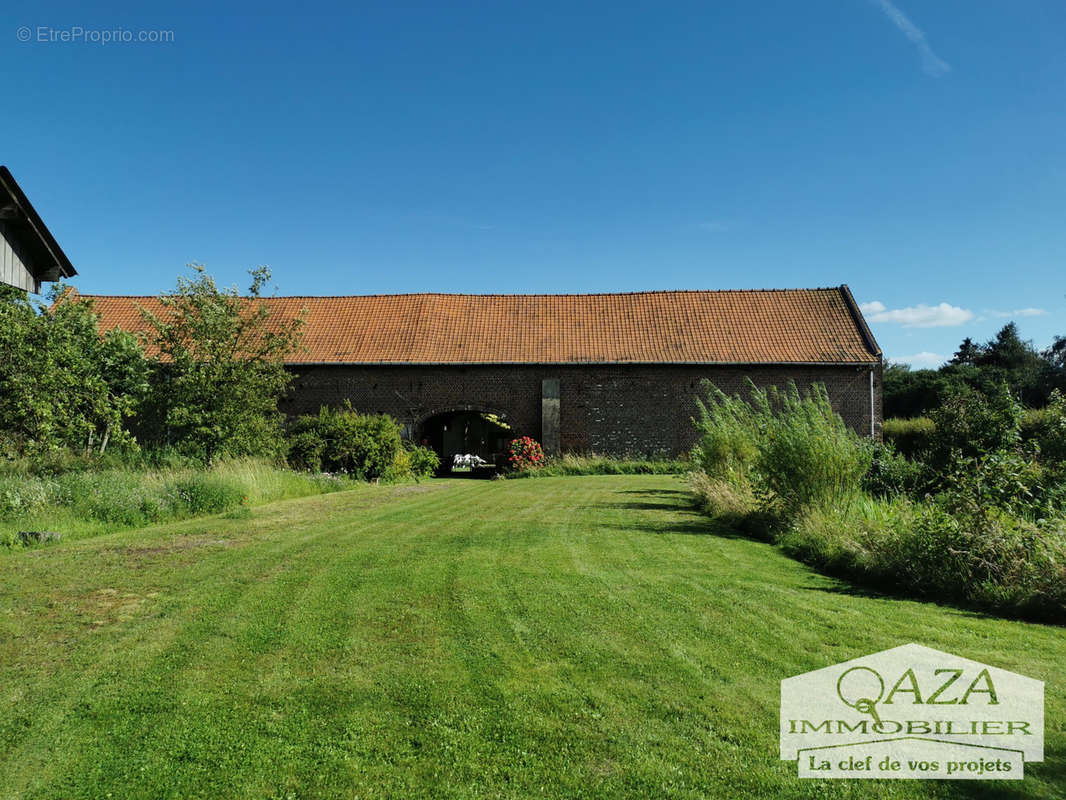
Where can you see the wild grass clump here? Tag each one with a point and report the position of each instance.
(790, 447)
(571, 464)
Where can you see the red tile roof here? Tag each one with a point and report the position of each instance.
(785, 326)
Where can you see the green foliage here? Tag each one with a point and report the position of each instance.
(306, 448)
(940, 551)
(970, 425)
(222, 368)
(891, 473)
(913, 393)
(808, 455)
(1048, 429)
(61, 384)
(365, 446)
(424, 460)
(208, 494)
(412, 461)
(910, 437)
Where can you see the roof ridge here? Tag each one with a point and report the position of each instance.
(643, 292)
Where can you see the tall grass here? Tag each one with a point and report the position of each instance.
(82, 502)
(791, 447)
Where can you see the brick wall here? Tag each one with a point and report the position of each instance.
(625, 409)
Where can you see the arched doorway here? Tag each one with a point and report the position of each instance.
(465, 432)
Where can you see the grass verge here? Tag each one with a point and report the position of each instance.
(88, 503)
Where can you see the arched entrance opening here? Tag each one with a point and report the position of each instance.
(465, 432)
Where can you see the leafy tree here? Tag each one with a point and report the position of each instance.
(222, 370)
(61, 383)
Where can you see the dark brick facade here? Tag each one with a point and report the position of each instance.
(632, 409)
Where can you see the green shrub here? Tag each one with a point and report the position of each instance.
(365, 446)
(115, 497)
(935, 550)
(24, 495)
(971, 425)
(424, 461)
(793, 448)
(1032, 424)
(891, 473)
(1050, 432)
(910, 437)
(991, 537)
(306, 450)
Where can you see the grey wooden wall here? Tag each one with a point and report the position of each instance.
(12, 269)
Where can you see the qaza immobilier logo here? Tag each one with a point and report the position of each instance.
(912, 712)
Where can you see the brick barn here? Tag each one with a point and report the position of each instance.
(605, 373)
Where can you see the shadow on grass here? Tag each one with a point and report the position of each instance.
(681, 504)
(645, 506)
(841, 585)
(674, 492)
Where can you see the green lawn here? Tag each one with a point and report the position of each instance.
(565, 637)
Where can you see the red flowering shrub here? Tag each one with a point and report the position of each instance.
(525, 453)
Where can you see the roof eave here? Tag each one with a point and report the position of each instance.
(59, 266)
(860, 321)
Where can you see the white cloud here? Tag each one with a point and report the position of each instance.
(919, 316)
(922, 360)
(931, 62)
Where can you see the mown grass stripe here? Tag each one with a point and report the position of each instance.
(573, 637)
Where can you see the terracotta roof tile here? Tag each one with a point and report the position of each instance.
(700, 327)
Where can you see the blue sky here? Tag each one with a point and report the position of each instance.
(915, 151)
